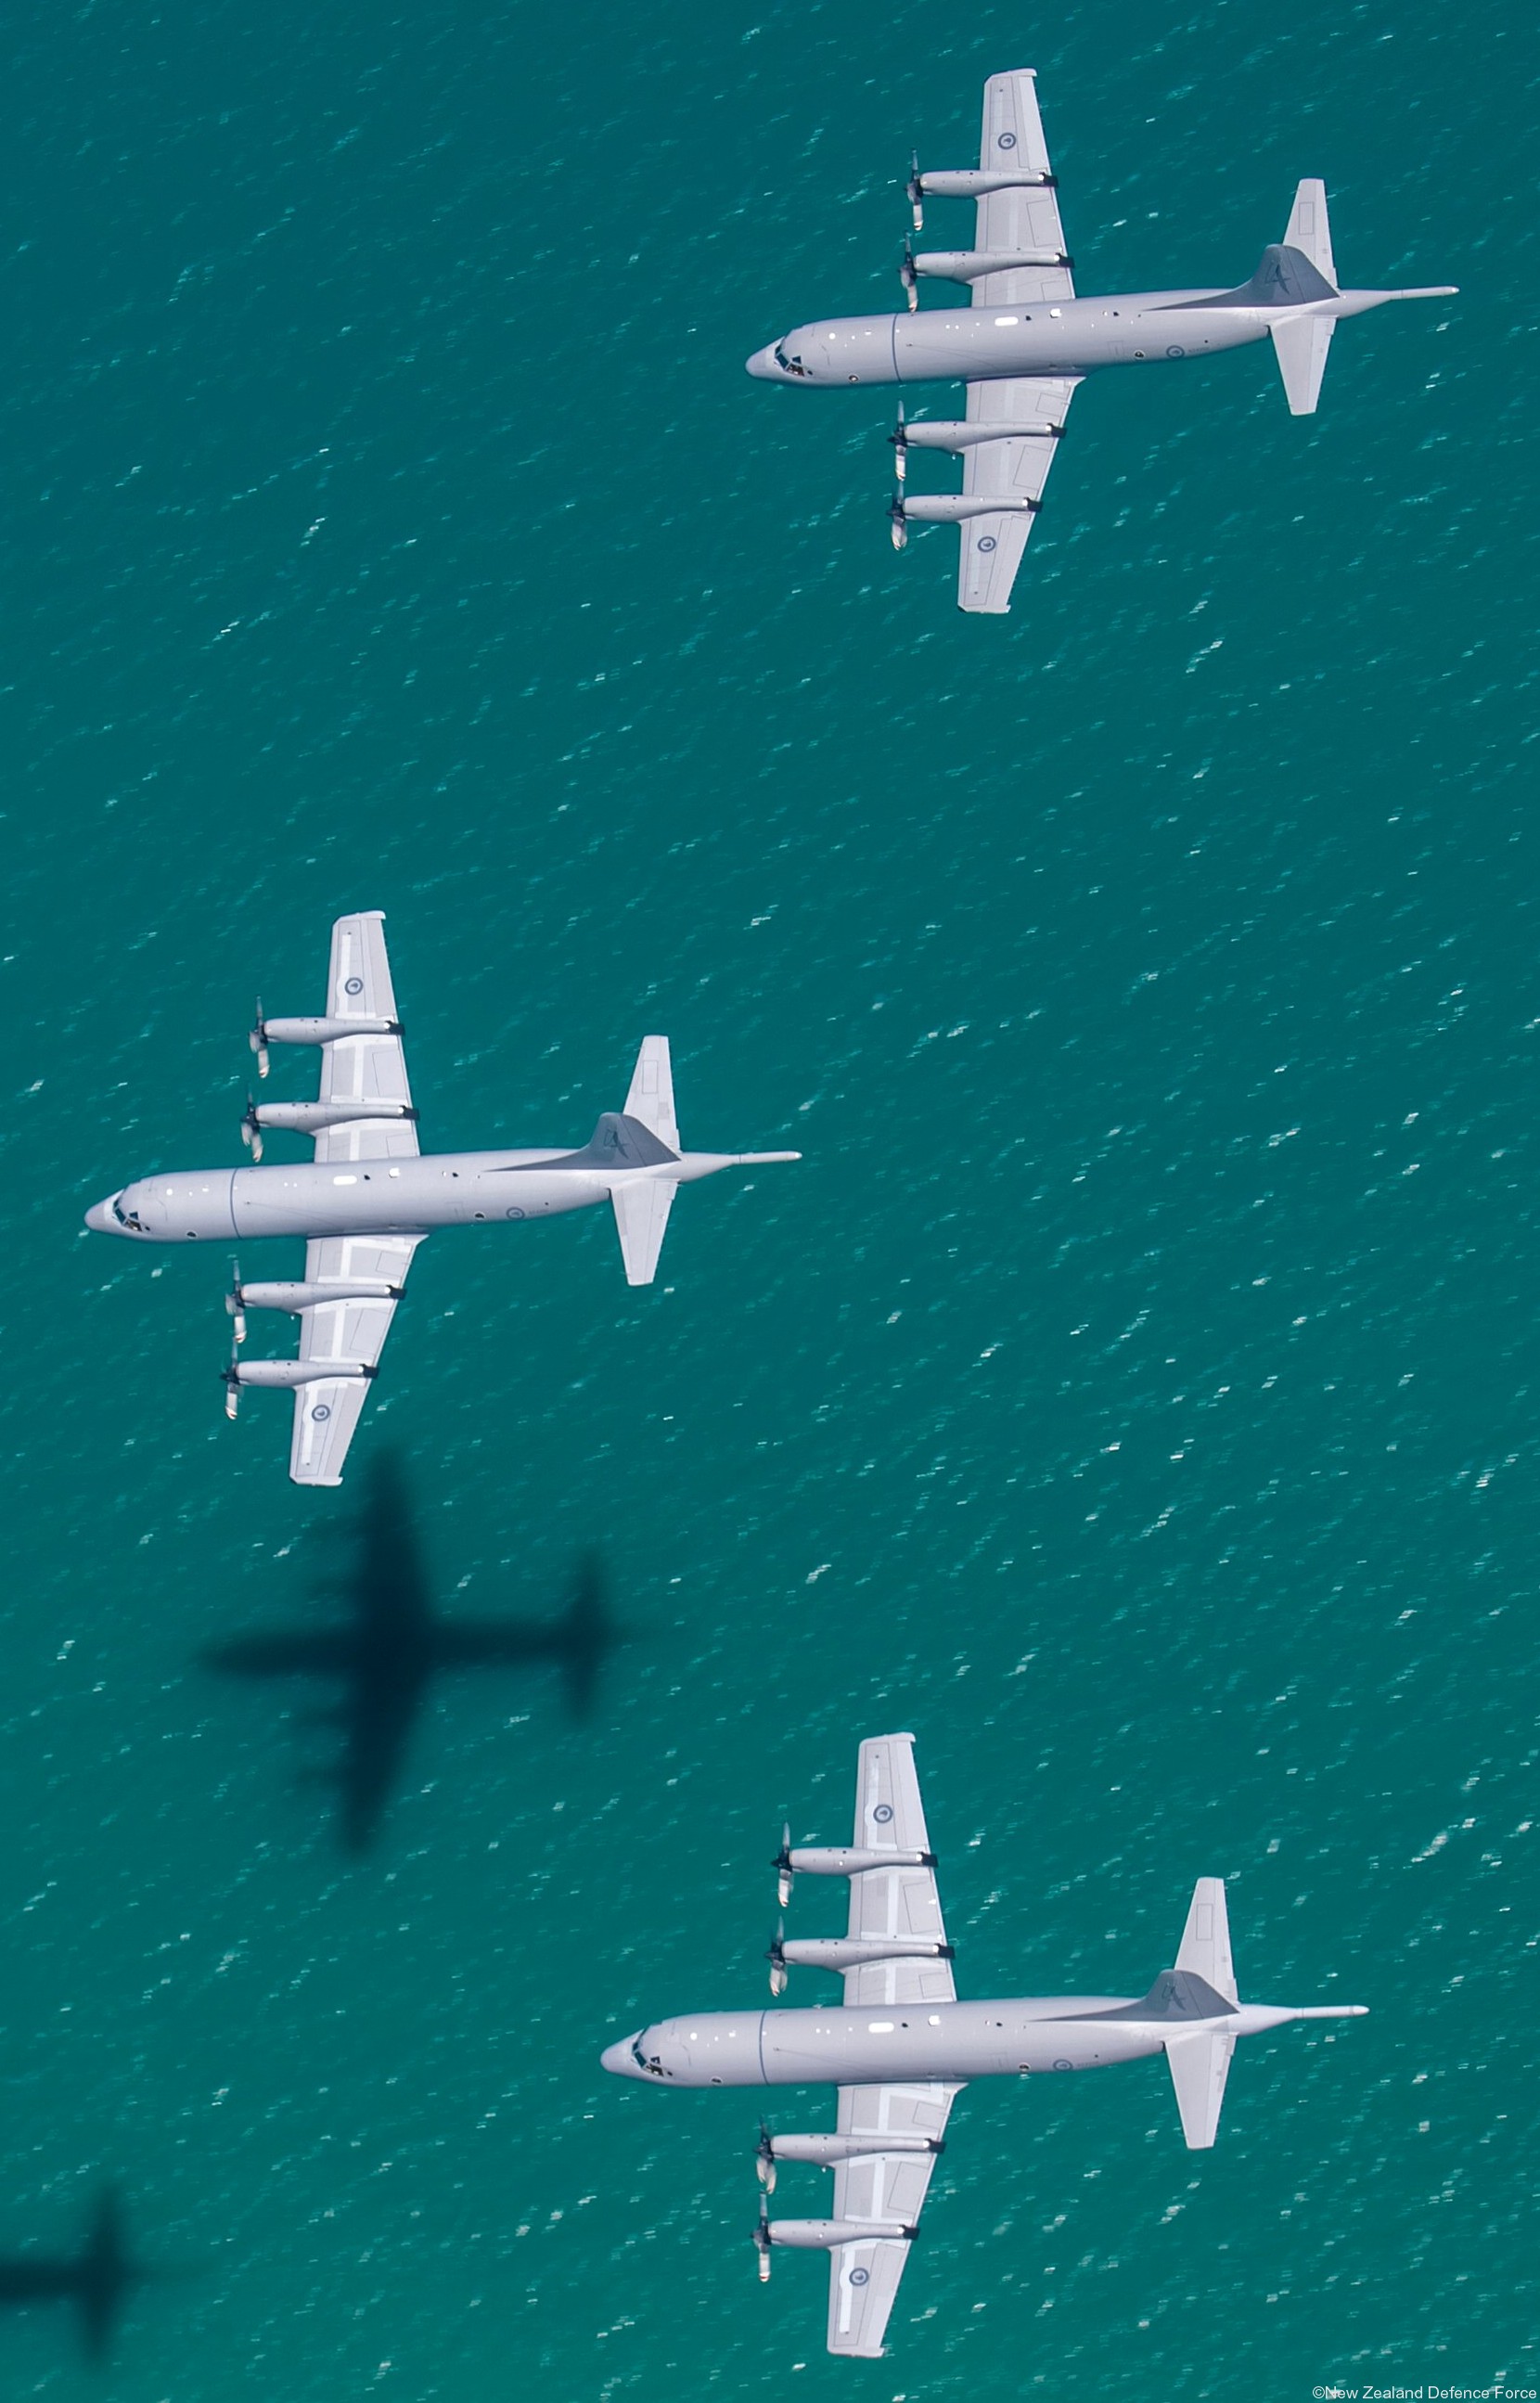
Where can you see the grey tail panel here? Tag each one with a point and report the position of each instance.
(1284, 279)
(1176, 1995)
(616, 1142)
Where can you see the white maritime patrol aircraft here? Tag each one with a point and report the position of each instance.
(369, 1197)
(1027, 342)
(902, 2047)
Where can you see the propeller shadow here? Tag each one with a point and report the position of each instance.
(96, 2280)
(392, 1644)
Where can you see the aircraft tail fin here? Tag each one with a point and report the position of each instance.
(651, 1100)
(1301, 344)
(1200, 2065)
(641, 1214)
(1309, 229)
(1205, 1946)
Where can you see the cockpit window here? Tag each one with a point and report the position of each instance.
(793, 366)
(125, 1218)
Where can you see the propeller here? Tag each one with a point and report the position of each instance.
(764, 2160)
(782, 1866)
(907, 275)
(231, 1378)
(251, 1125)
(899, 437)
(915, 192)
(762, 2242)
(776, 1956)
(257, 1038)
(235, 1303)
(898, 521)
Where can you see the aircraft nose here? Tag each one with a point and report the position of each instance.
(619, 2060)
(766, 366)
(99, 1217)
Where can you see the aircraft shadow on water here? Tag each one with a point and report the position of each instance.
(394, 1643)
(96, 2280)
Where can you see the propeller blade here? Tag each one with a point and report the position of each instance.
(235, 1304)
(762, 2242)
(915, 192)
(782, 1866)
(908, 277)
(257, 1039)
(231, 1378)
(764, 2160)
(898, 521)
(251, 1127)
(777, 1959)
(899, 437)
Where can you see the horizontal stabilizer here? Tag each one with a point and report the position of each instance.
(1205, 1946)
(1309, 229)
(641, 1214)
(1200, 2065)
(1301, 344)
(650, 1099)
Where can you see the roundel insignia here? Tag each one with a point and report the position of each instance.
(1006, 142)
(1174, 350)
(986, 542)
(859, 2277)
(353, 984)
(883, 1813)
(322, 1411)
(514, 1213)
(1063, 2064)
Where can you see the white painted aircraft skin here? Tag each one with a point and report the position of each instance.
(1028, 340)
(369, 1197)
(901, 2047)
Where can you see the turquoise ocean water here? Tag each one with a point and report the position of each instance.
(1133, 1392)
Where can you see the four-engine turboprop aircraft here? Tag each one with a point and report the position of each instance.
(369, 1197)
(1026, 340)
(903, 2047)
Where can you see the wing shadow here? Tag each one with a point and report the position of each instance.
(391, 1644)
(96, 2280)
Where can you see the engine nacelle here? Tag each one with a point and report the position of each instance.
(850, 1860)
(972, 183)
(841, 1953)
(310, 1118)
(298, 1372)
(323, 1030)
(827, 2152)
(967, 266)
(822, 2235)
(944, 509)
(958, 434)
(305, 1297)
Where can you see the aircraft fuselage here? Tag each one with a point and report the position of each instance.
(1034, 338)
(400, 1196)
(878, 2043)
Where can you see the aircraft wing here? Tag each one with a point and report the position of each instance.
(864, 2276)
(349, 1329)
(876, 2186)
(1026, 217)
(1017, 468)
(364, 1068)
(900, 1901)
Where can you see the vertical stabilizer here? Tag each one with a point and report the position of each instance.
(651, 1100)
(1301, 344)
(1205, 1947)
(1200, 2065)
(1309, 230)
